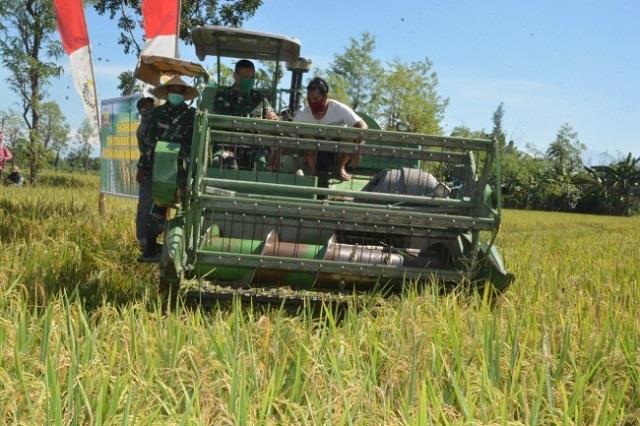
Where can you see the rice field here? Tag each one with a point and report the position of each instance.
(82, 342)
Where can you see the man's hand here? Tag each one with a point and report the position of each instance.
(140, 175)
(270, 115)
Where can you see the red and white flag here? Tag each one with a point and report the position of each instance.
(75, 40)
(161, 20)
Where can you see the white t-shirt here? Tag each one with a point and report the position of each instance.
(338, 114)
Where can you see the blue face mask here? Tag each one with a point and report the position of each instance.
(175, 99)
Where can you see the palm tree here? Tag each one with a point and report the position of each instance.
(618, 184)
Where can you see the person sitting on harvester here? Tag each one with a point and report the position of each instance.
(241, 100)
(170, 122)
(322, 110)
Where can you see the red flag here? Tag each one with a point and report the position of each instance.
(72, 27)
(71, 24)
(161, 20)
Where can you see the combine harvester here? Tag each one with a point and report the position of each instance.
(419, 207)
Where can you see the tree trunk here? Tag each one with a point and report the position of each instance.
(56, 160)
(626, 202)
(34, 134)
(33, 157)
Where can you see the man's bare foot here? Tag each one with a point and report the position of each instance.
(342, 175)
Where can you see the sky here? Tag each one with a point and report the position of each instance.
(550, 62)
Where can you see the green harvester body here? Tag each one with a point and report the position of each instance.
(419, 208)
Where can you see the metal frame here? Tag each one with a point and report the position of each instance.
(367, 212)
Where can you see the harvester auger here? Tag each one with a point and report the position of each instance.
(418, 207)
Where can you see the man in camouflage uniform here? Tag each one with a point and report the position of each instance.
(170, 122)
(145, 108)
(241, 100)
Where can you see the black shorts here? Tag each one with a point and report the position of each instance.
(326, 162)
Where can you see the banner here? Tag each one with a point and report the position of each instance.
(119, 152)
(75, 40)
(161, 20)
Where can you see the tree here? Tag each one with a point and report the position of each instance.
(265, 74)
(408, 93)
(566, 151)
(54, 124)
(193, 13)
(616, 186)
(465, 132)
(361, 71)
(226, 75)
(562, 191)
(82, 154)
(497, 133)
(13, 131)
(524, 180)
(127, 84)
(561, 182)
(55, 130)
(28, 53)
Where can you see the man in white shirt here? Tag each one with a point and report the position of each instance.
(322, 110)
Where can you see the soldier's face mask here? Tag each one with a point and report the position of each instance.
(245, 78)
(175, 99)
(246, 84)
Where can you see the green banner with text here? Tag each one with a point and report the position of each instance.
(119, 146)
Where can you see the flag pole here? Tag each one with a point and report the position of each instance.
(101, 196)
(93, 75)
(177, 55)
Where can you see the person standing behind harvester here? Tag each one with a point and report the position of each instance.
(322, 110)
(170, 122)
(144, 107)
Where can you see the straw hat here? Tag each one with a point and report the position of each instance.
(161, 91)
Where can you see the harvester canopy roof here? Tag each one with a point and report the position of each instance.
(156, 70)
(245, 44)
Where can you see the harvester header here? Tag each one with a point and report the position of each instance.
(251, 218)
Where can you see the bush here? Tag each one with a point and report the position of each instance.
(68, 180)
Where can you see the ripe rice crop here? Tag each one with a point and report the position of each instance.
(81, 340)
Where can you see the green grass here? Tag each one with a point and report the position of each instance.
(81, 341)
